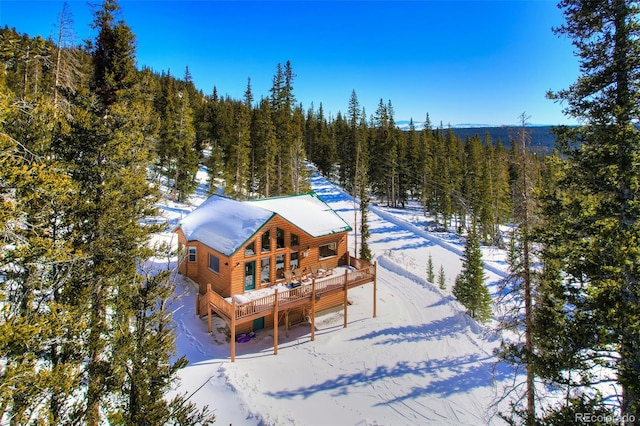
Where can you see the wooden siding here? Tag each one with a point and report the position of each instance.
(307, 248)
(200, 271)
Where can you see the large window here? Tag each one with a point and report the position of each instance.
(266, 241)
(280, 266)
(250, 250)
(214, 263)
(192, 254)
(265, 270)
(293, 260)
(279, 238)
(328, 250)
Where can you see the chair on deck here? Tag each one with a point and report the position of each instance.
(288, 277)
(326, 269)
(297, 273)
(316, 272)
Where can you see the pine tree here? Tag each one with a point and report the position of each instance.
(365, 251)
(177, 156)
(66, 65)
(238, 160)
(442, 280)
(288, 130)
(39, 331)
(149, 345)
(430, 272)
(469, 286)
(323, 147)
(518, 289)
(592, 228)
(263, 135)
(107, 154)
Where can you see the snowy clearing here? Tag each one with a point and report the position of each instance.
(420, 361)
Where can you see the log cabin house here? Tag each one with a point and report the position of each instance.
(259, 263)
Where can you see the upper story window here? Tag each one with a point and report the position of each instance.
(266, 241)
(192, 254)
(214, 263)
(328, 250)
(250, 250)
(279, 238)
(295, 240)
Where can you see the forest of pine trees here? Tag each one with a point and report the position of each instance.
(87, 140)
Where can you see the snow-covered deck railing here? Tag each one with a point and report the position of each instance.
(258, 307)
(283, 298)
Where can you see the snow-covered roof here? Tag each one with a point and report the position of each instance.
(307, 212)
(224, 224)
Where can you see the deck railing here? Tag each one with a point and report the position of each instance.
(364, 273)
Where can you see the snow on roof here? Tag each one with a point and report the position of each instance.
(224, 224)
(306, 211)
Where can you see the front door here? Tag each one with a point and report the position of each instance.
(258, 323)
(250, 275)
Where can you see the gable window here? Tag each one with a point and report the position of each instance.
(279, 238)
(250, 250)
(328, 250)
(295, 241)
(192, 254)
(266, 241)
(214, 263)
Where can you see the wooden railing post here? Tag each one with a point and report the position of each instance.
(346, 300)
(313, 309)
(275, 323)
(374, 286)
(233, 330)
(208, 299)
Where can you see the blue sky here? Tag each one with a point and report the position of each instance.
(476, 62)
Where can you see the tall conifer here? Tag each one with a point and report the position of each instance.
(593, 212)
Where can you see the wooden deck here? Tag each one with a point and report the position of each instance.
(235, 313)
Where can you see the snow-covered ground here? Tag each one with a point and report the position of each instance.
(421, 360)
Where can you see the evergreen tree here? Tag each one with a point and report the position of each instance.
(592, 214)
(469, 286)
(177, 157)
(149, 345)
(41, 370)
(263, 135)
(499, 195)
(365, 251)
(442, 281)
(518, 289)
(430, 272)
(66, 65)
(288, 127)
(238, 160)
(323, 146)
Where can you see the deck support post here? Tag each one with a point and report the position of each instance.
(233, 330)
(198, 304)
(209, 326)
(275, 325)
(375, 280)
(313, 310)
(346, 299)
(286, 323)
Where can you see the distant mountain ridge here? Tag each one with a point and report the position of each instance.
(541, 137)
